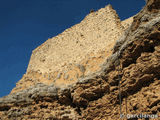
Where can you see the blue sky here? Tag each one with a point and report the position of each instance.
(25, 24)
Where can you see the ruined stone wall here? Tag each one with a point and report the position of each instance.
(76, 52)
(97, 30)
(133, 66)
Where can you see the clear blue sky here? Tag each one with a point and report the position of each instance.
(25, 24)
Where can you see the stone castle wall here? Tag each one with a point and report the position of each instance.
(76, 52)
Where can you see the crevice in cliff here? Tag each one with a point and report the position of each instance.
(78, 110)
(135, 51)
(5, 108)
(43, 106)
(136, 88)
(154, 103)
(139, 85)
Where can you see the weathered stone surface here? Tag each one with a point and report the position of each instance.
(75, 53)
(135, 62)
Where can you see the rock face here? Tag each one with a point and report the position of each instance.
(130, 70)
(75, 53)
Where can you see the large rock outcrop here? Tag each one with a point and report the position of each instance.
(129, 75)
(76, 52)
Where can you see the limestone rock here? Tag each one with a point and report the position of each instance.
(133, 66)
(75, 53)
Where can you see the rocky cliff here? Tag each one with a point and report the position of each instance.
(77, 52)
(96, 70)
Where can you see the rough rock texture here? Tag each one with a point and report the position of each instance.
(77, 42)
(135, 62)
(77, 52)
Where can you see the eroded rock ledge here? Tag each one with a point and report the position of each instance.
(135, 60)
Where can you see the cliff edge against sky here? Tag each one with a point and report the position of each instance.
(87, 71)
(77, 52)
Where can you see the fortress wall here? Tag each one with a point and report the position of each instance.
(77, 52)
(97, 30)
